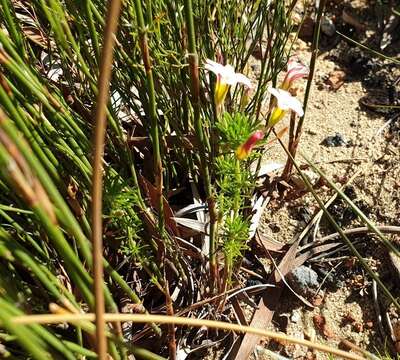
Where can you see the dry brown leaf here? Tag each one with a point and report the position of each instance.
(268, 243)
(239, 312)
(268, 304)
(151, 192)
(302, 258)
(36, 36)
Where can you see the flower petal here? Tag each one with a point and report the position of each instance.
(287, 101)
(240, 78)
(296, 106)
(227, 73)
(275, 92)
(214, 67)
(296, 65)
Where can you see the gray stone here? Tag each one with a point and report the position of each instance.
(335, 140)
(328, 27)
(303, 280)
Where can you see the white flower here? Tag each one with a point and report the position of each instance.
(226, 74)
(286, 101)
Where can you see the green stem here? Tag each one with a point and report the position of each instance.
(92, 28)
(314, 54)
(237, 191)
(198, 125)
(12, 27)
(152, 110)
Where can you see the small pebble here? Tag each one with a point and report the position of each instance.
(335, 140)
(296, 317)
(328, 27)
(358, 327)
(303, 280)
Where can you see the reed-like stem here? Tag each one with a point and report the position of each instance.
(152, 112)
(171, 327)
(112, 19)
(12, 27)
(49, 122)
(92, 29)
(314, 55)
(291, 147)
(199, 129)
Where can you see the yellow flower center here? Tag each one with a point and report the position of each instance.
(221, 89)
(276, 116)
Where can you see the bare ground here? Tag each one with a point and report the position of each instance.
(346, 299)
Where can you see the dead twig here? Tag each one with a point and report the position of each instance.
(268, 304)
(114, 7)
(164, 319)
(388, 229)
(387, 123)
(319, 214)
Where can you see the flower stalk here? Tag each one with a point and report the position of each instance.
(296, 72)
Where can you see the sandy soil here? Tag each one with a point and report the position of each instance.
(346, 301)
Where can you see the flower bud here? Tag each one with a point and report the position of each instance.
(295, 71)
(243, 151)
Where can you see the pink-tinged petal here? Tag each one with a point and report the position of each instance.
(296, 70)
(295, 76)
(293, 64)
